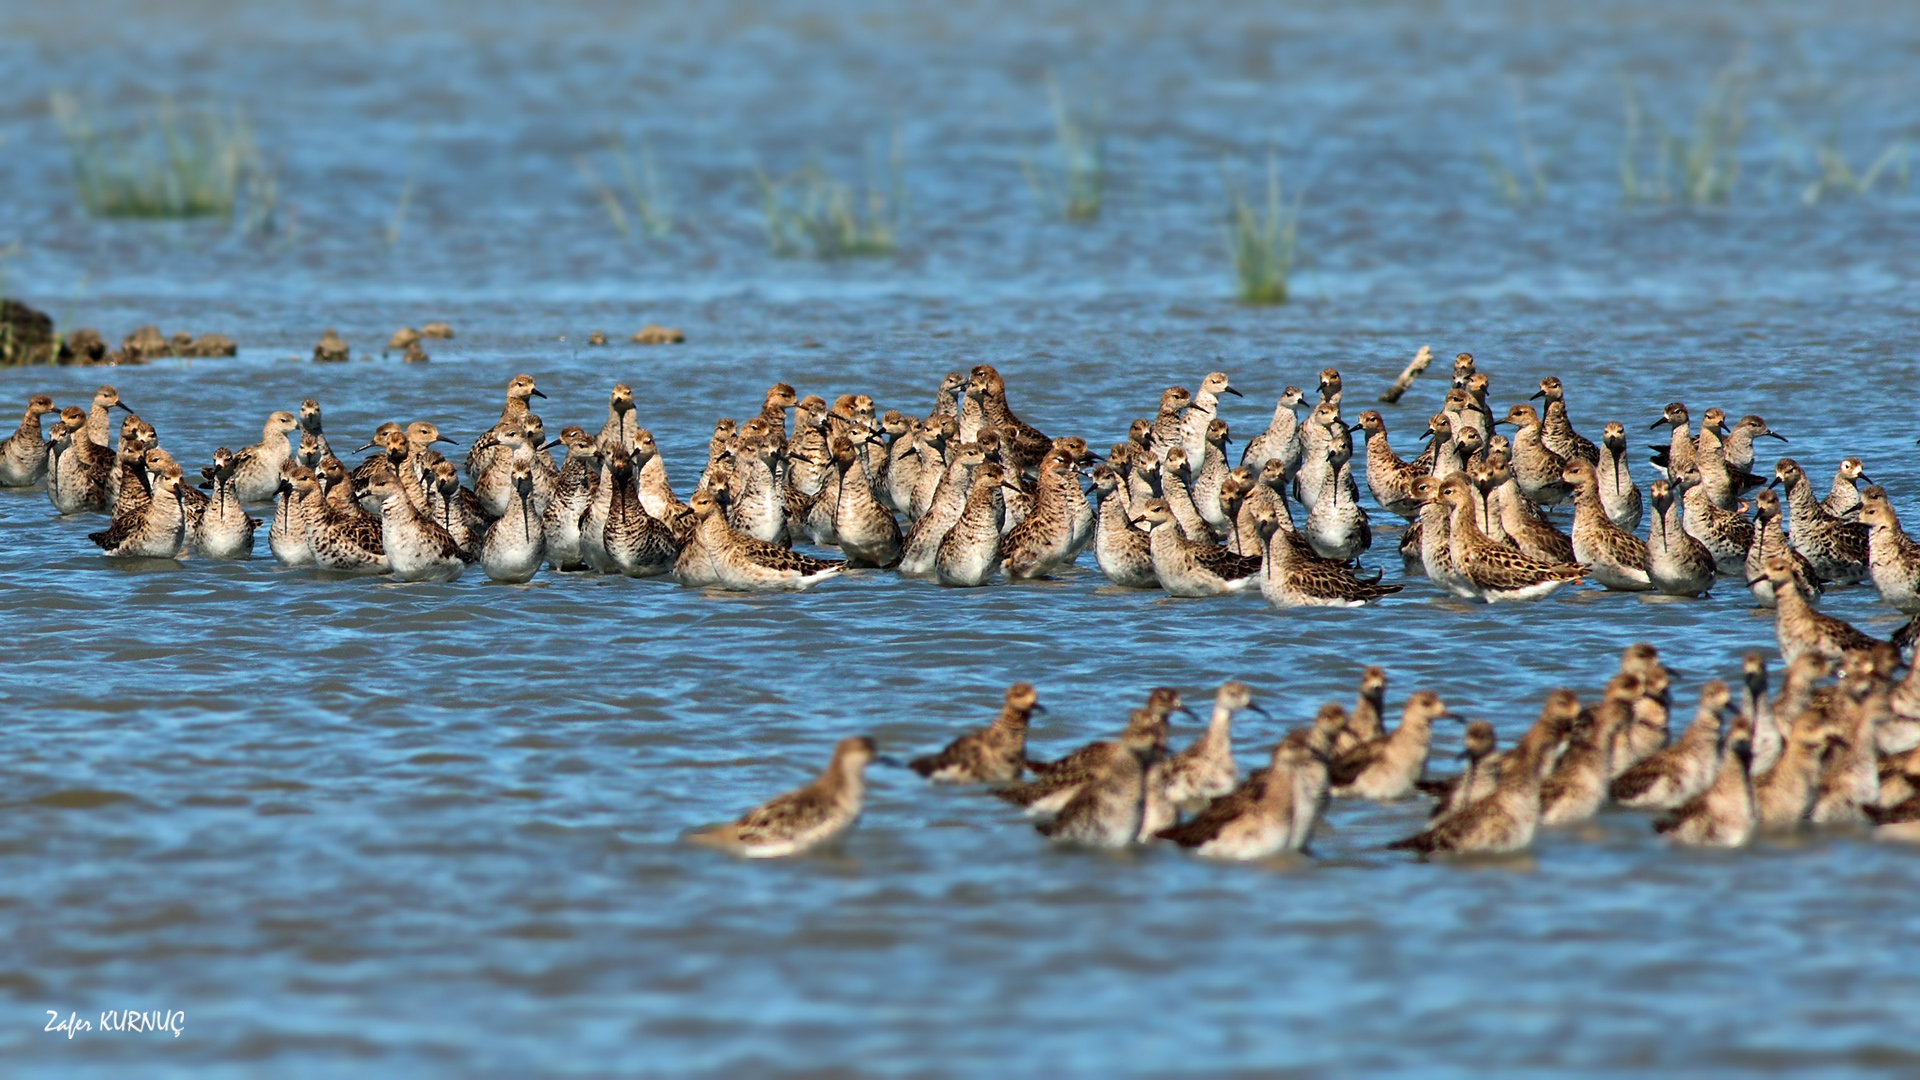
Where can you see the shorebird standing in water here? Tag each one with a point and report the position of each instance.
(1289, 579)
(1618, 558)
(1556, 431)
(1678, 453)
(485, 449)
(1388, 767)
(1206, 769)
(1665, 779)
(223, 530)
(516, 544)
(995, 754)
(417, 547)
(1577, 788)
(1490, 571)
(867, 531)
(1058, 781)
(287, 536)
(77, 467)
(341, 534)
(1272, 812)
(256, 469)
(157, 530)
(1389, 479)
(1108, 809)
(1843, 500)
(1893, 559)
(1504, 820)
(1677, 563)
(1618, 494)
(1535, 468)
(1724, 815)
(1478, 748)
(1188, 568)
(1281, 440)
(805, 818)
(23, 456)
(1769, 541)
(1836, 547)
(1123, 553)
(740, 563)
(1802, 630)
(969, 553)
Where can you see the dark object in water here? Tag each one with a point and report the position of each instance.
(331, 350)
(655, 334)
(26, 334)
(211, 345)
(145, 344)
(83, 346)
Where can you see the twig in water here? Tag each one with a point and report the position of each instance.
(1407, 374)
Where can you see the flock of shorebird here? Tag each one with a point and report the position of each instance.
(1814, 755)
(971, 491)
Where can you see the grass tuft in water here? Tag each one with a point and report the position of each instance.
(174, 163)
(811, 213)
(1833, 174)
(1699, 169)
(1073, 184)
(1506, 184)
(1262, 241)
(646, 200)
(398, 219)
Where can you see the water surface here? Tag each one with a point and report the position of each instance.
(354, 825)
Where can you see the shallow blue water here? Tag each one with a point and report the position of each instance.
(358, 825)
